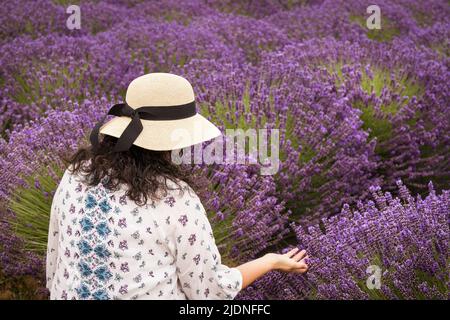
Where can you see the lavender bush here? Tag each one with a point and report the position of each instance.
(355, 108)
(327, 159)
(406, 238)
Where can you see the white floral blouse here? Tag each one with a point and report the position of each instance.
(101, 245)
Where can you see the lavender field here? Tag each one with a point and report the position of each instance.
(363, 114)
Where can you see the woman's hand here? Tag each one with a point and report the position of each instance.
(292, 261)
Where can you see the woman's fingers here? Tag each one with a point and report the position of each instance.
(303, 259)
(291, 252)
(301, 267)
(299, 255)
(302, 270)
(301, 264)
(295, 261)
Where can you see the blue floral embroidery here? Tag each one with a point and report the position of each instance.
(102, 252)
(90, 201)
(103, 273)
(84, 247)
(92, 247)
(103, 229)
(100, 295)
(105, 206)
(86, 224)
(84, 268)
(83, 291)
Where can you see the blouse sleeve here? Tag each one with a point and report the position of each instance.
(198, 261)
(52, 247)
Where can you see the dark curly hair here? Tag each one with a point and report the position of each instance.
(145, 173)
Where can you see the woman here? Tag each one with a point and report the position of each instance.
(125, 222)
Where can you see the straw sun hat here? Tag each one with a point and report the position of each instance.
(159, 113)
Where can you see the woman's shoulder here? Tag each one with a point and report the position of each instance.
(182, 205)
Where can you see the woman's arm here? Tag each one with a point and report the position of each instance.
(292, 261)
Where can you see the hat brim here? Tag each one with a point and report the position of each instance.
(166, 135)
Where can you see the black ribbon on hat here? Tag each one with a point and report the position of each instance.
(135, 127)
